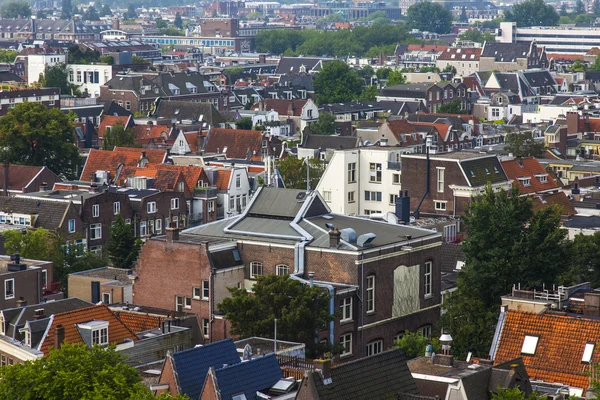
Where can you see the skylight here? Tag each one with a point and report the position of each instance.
(587, 352)
(529, 345)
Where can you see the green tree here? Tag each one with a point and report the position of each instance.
(161, 24)
(596, 65)
(533, 13)
(178, 22)
(324, 125)
(366, 72)
(32, 134)
(563, 10)
(105, 11)
(491, 24)
(106, 60)
(171, 31)
(596, 8)
(453, 107)
(139, 60)
(293, 172)
(413, 345)
(16, 9)
(67, 9)
(56, 76)
(477, 36)
(118, 136)
(383, 73)
(8, 56)
(39, 244)
(330, 19)
(300, 310)
(579, 7)
(506, 242)
(131, 13)
(429, 16)
(578, 66)
(395, 77)
(369, 93)
(337, 83)
(244, 123)
(585, 259)
(91, 14)
(463, 15)
(123, 246)
(523, 144)
(74, 372)
(516, 394)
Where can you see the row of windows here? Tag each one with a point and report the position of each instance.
(201, 42)
(256, 269)
(374, 346)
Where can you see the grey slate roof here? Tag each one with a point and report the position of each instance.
(381, 376)
(258, 374)
(410, 90)
(7, 76)
(276, 203)
(324, 142)
(505, 52)
(191, 110)
(191, 366)
(49, 213)
(483, 170)
(289, 65)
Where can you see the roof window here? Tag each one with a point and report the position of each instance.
(530, 345)
(587, 352)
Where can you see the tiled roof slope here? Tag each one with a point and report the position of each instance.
(528, 167)
(559, 199)
(249, 377)
(559, 351)
(484, 170)
(139, 322)
(19, 176)
(191, 173)
(223, 178)
(105, 160)
(237, 141)
(50, 214)
(111, 120)
(377, 377)
(192, 365)
(117, 331)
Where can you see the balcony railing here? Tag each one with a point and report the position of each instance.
(396, 166)
(51, 288)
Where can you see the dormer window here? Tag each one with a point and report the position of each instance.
(100, 336)
(2, 326)
(530, 345)
(525, 181)
(94, 332)
(543, 178)
(26, 336)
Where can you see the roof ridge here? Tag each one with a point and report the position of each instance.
(203, 346)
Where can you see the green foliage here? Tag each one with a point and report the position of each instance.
(16, 9)
(532, 13)
(492, 24)
(395, 77)
(32, 134)
(234, 74)
(324, 125)
(337, 83)
(366, 72)
(118, 136)
(413, 345)
(378, 17)
(244, 123)
(139, 60)
(8, 56)
(130, 13)
(293, 172)
(596, 65)
(330, 19)
(516, 394)
(123, 246)
(477, 36)
(579, 7)
(506, 242)
(56, 77)
(522, 144)
(340, 43)
(585, 259)
(67, 9)
(74, 372)
(383, 73)
(463, 15)
(79, 56)
(171, 31)
(596, 7)
(91, 14)
(429, 16)
(38, 244)
(369, 93)
(105, 11)
(178, 22)
(300, 310)
(578, 66)
(452, 107)
(563, 10)
(161, 24)
(449, 68)
(106, 60)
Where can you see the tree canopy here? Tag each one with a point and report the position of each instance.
(123, 246)
(118, 136)
(244, 123)
(395, 77)
(178, 22)
(91, 14)
(32, 134)
(75, 372)
(337, 83)
(55, 76)
(475, 35)
(516, 394)
(523, 144)
(8, 56)
(293, 172)
(414, 344)
(507, 243)
(300, 310)
(67, 9)
(430, 17)
(324, 125)
(452, 107)
(532, 13)
(16, 9)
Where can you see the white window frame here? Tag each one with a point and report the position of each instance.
(187, 303)
(175, 204)
(178, 303)
(95, 210)
(282, 270)
(71, 230)
(151, 207)
(440, 179)
(2, 329)
(370, 298)
(196, 293)
(100, 336)
(427, 274)
(143, 228)
(425, 331)
(351, 172)
(327, 196)
(205, 328)
(346, 342)
(254, 272)
(375, 172)
(158, 226)
(588, 351)
(97, 229)
(374, 347)
(205, 290)
(346, 309)
(117, 207)
(440, 205)
(352, 196)
(530, 343)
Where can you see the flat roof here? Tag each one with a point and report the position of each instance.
(108, 273)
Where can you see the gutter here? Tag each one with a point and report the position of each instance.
(427, 165)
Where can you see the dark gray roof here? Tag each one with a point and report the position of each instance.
(352, 107)
(188, 110)
(325, 142)
(182, 81)
(289, 65)
(401, 107)
(583, 222)
(274, 202)
(506, 52)
(7, 76)
(129, 82)
(298, 80)
(483, 170)
(381, 376)
(410, 90)
(49, 213)
(249, 377)
(225, 258)
(114, 109)
(539, 78)
(476, 385)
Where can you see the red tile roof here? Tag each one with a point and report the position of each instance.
(426, 47)
(559, 199)
(117, 331)
(234, 143)
(105, 160)
(111, 120)
(560, 347)
(191, 173)
(284, 107)
(144, 134)
(223, 177)
(460, 54)
(528, 167)
(443, 129)
(19, 176)
(594, 51)
(192, 140)
(139, 322)
(566, 57)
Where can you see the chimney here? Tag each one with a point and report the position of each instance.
(311, 279)
(21, 302)
(172, 233)
(5, 170)
(116, 23)
(334, 237)
(44, 186)
(93, 187)
(383, 141)
(403, 207)
(324, 366)
(446, 358)
(39, 314)
(59, 336)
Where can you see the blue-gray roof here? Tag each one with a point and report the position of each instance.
(249, 377)
(192, 365)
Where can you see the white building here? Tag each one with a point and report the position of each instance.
(555, 39)
(89, 77)
(37, 63)
(362, 181)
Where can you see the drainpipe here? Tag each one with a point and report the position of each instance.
(427, 163)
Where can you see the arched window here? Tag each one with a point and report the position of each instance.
(374, 347)
(283, 270)
(256, 269)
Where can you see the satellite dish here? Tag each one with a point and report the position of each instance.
(247, 352)
(300, 196)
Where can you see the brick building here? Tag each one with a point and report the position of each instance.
(50, 97)
(385, 279)
(25, 179)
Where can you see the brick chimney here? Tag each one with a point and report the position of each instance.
(172, 233)
(21, 302)
(44, 186)
(324, 366)
(572, 122)
(334, 238)
(39, 314)
(59, 336)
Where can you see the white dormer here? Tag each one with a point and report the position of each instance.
(94, 332)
